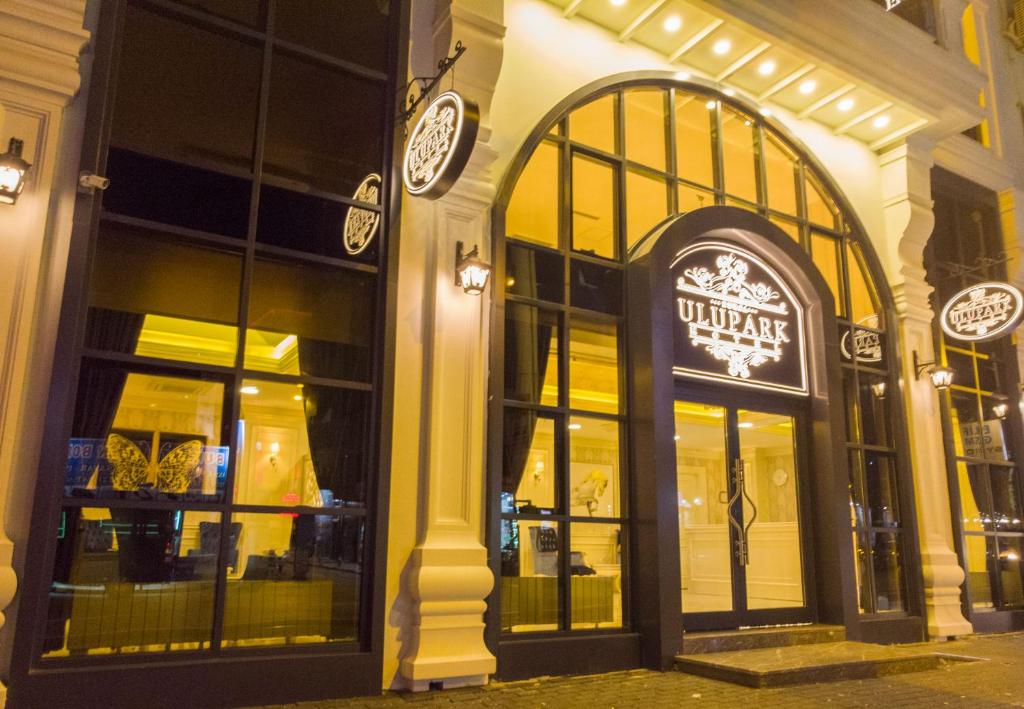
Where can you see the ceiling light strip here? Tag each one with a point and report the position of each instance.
(826, 99)
(785, 81)
(636, 24)
(900, 133)
(743, 61)
(572, 8)
(856, 120)
(695, 39)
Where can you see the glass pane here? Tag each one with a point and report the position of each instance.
(173, 103)
(593, 207)
(820, 207)
(691, 198)
(353, 31)
(310, 319)
(963, 364)
(780, 173)
(988, 376)
(333, 142)
(775, 572)
(858, 518)
(140, 436)
(702, 479)
(531, 595)
(533, 210)
(792, 230)
(694, 155)
(529, 478)
(968, 432)
(850, 400)
(995, 432)
(645, 127)
(295, 579)
(974, 497)
(594, 124)
(302, 445)
(882, 488)
(738, 155)
(130, 580)
(594, 366)
(303, 222)
(980, 557)
(1010, 550)
(646, 205)
(864, 303)
(534, 273)
(594, 467)
(595, 560)
(1006, 508)
(157, 299)
(531, 354)
(862, 554)
(247, 12)
(178, 194)
(595, 287)
(825, 253)
(887, 564)
(749, 206)
(874, 411)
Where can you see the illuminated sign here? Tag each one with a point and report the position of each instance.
(867, 344)
(439, 146)
(741, 323)
(892, 4)
(982, 312)
(361, 224)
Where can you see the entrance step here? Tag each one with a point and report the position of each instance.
(756, 638)
(813, 663)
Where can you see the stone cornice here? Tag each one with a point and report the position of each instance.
(40, 43)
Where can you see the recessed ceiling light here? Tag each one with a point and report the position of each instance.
(745, 424)
(249, 389)
(721, 47)
(672, 23)
(767, 68)
(845, 105)
(764, 111)
(729, 92)
(808, 86)
(881, 122)
(297, 397)
(618, 3)
(575, 426)
(678, 437)
(710, 105)
(682, 76)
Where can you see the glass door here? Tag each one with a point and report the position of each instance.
(741, 557)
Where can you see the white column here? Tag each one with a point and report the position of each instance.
(436, 620)
(40, 41)
(906, 186)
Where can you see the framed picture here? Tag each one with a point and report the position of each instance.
(592, 490)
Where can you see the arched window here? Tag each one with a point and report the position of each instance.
(590, 187)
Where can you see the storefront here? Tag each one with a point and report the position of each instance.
(659, 350)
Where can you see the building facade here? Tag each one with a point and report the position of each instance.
(258, 443)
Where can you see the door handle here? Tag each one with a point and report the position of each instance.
(742, 531)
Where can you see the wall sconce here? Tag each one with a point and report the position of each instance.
(942, 377)
(1002, 406)
(471, 273)
(12, 172)
(275, 448)
(878, 388)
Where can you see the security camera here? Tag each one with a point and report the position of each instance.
(90, 182)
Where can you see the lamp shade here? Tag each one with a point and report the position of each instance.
(12, 172)
(942, 377)
(472, 273)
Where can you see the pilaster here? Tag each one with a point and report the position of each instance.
(447, 578)
(40, 42)
(906, 185)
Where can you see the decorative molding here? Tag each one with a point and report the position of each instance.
(40, 44)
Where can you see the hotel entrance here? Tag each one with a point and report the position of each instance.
(738, 476)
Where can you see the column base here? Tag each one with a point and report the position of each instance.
(943, 578)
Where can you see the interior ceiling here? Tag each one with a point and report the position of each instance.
(715, 48)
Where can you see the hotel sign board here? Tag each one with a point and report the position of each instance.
(737, 321)
(982, 312)
(361, 224)
(440, 145)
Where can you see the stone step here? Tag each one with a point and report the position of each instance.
(814, 663)
(755, 638)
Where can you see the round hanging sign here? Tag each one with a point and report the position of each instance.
(361, 224)
(982, 312)
(439, 146)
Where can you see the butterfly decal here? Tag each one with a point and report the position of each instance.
(175, 471)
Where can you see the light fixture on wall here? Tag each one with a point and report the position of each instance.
(878, 388)
(942, 377)
(12, 172)
(1001, 407)
(471, 273)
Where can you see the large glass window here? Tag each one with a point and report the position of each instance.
(602, 177)
(220, 473)
(981, 411)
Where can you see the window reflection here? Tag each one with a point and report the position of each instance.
(594, 123)
(532, 213)
(531, 355)
(694, 149)
(530, 468)
(595, 566)
(593, 207)
(738, 154)
(645, 127)
(593, 366)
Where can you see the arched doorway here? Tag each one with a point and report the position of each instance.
(584, 543)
